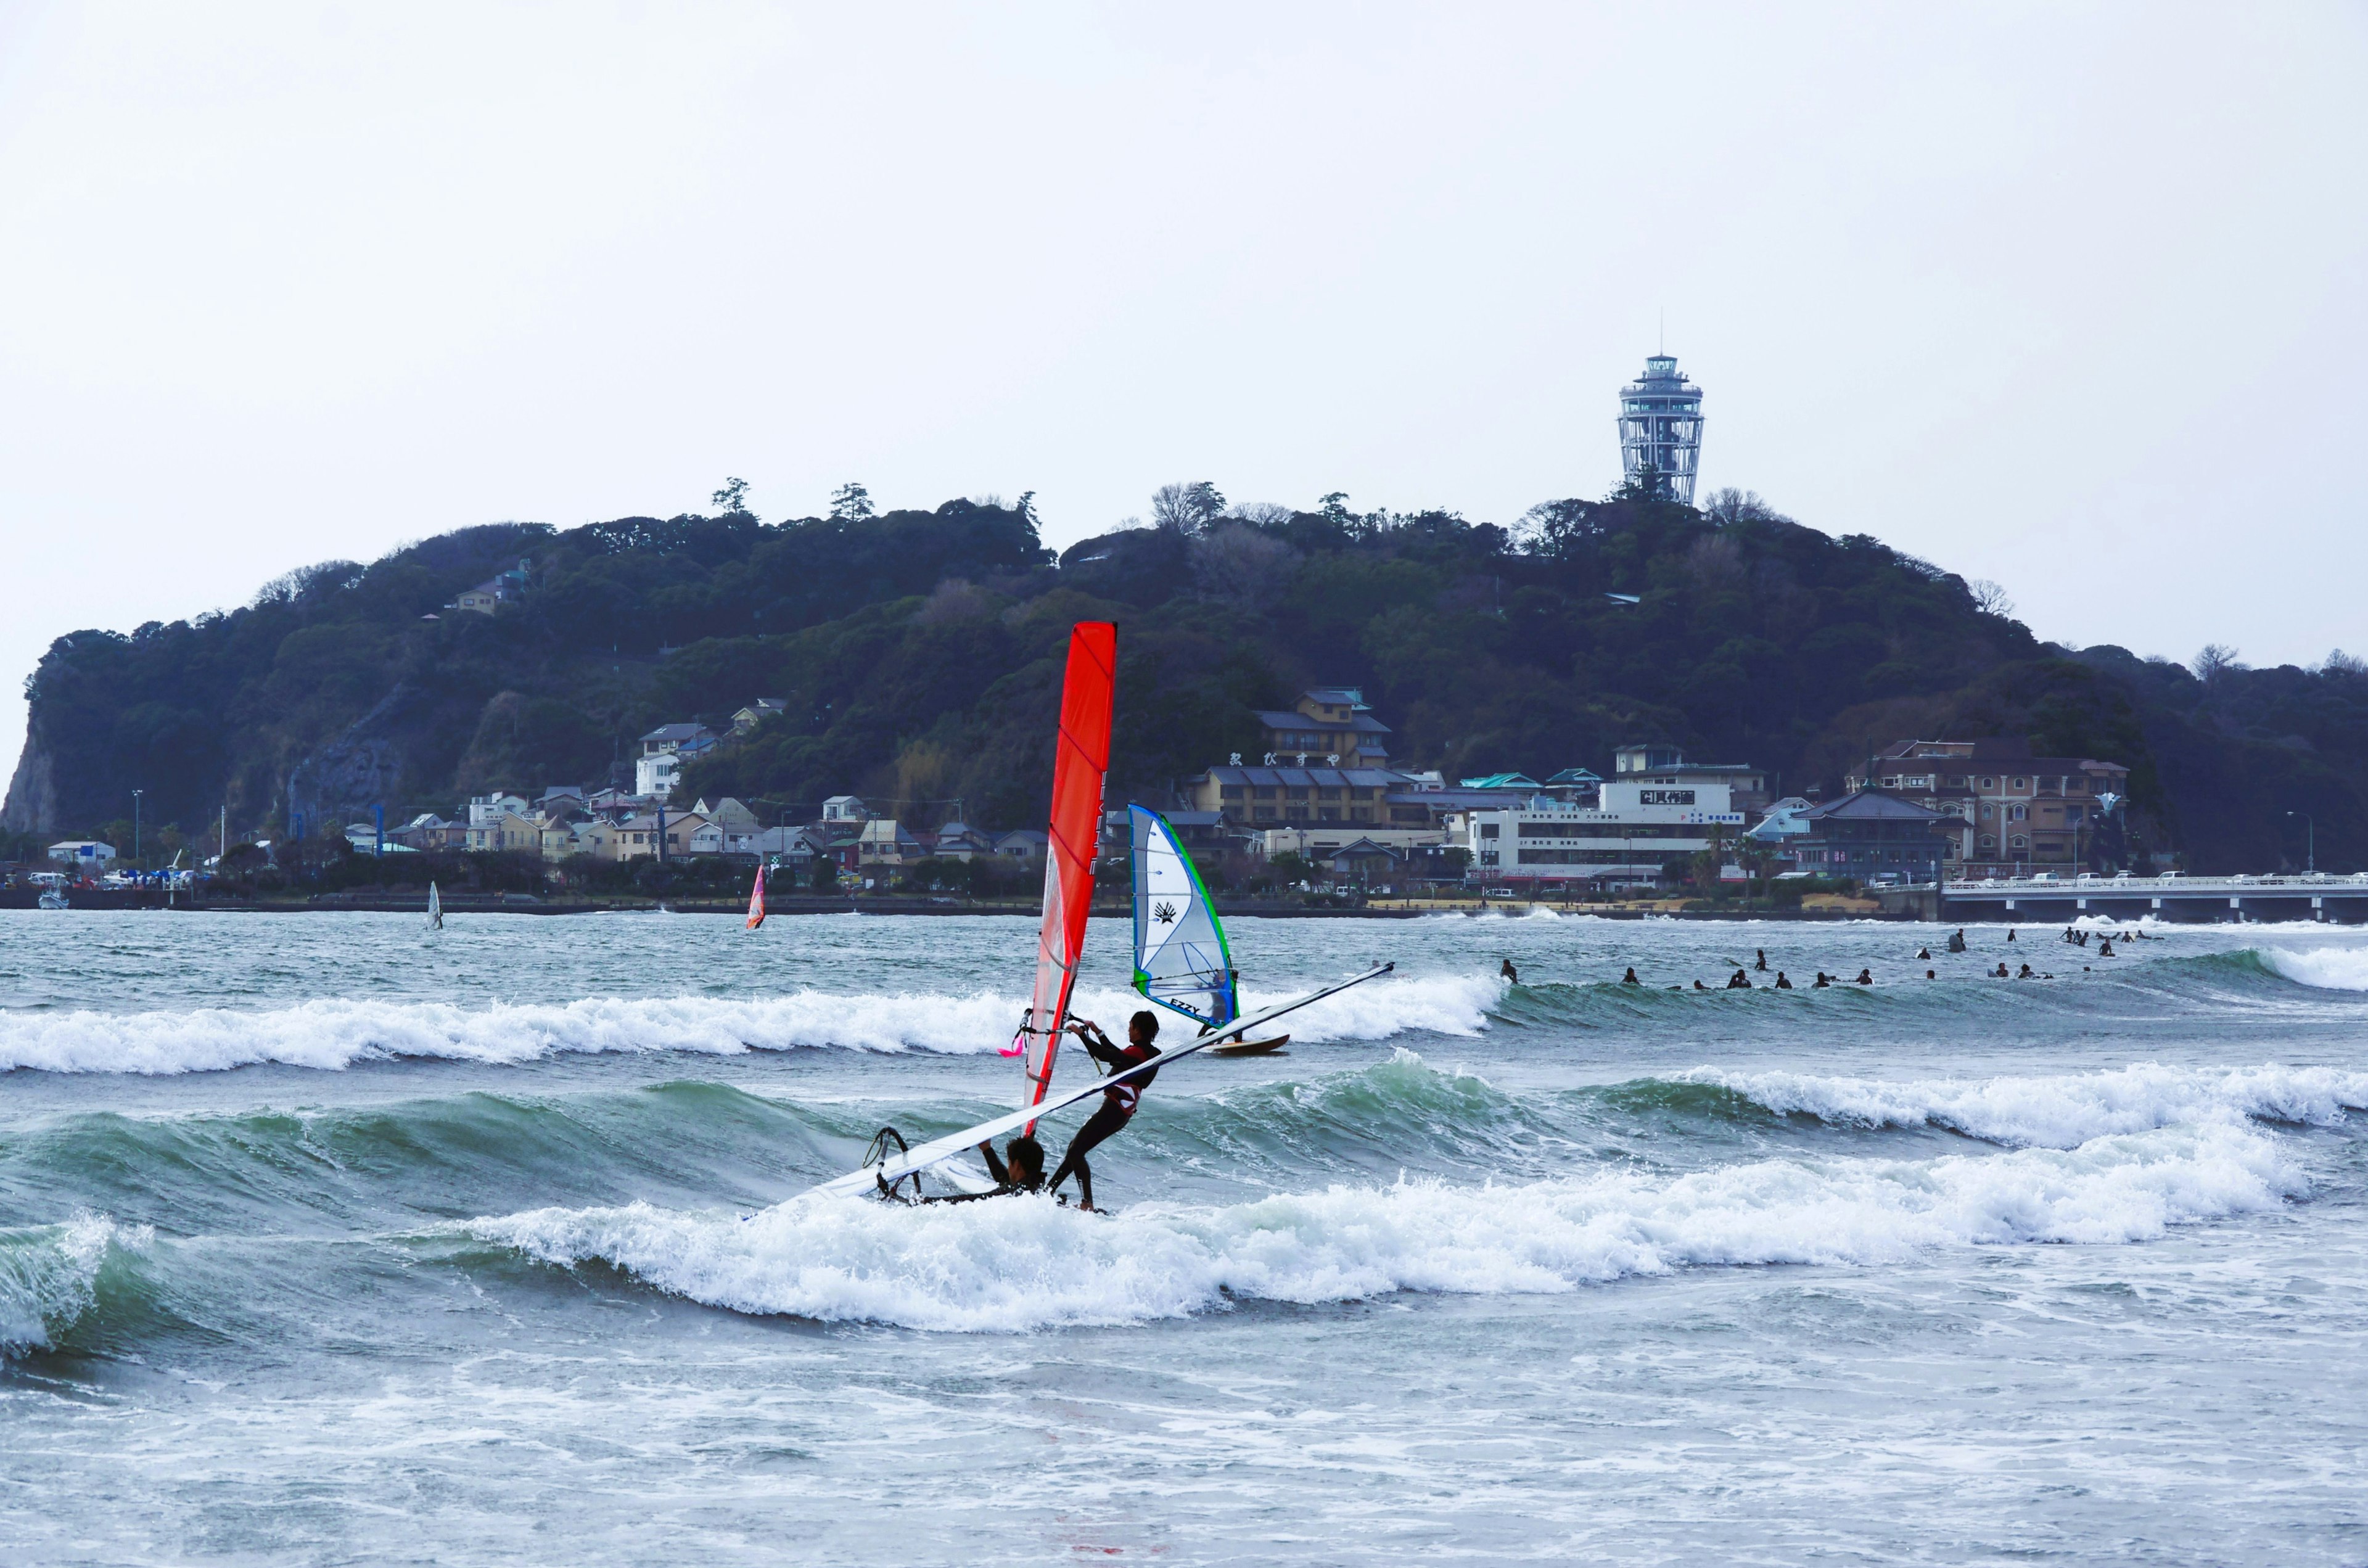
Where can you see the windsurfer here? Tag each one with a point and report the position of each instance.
(1019, 1169)
(1118, 1101)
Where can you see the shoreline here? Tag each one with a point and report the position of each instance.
(116, 900)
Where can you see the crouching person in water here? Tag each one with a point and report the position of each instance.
(1118, 1101)
(1020, 1169)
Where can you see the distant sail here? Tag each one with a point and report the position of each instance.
(756, 899)
(1080, 757)
(1181, 958)
(435, 909)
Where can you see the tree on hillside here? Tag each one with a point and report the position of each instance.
(1187, 508)
(731, 501)
(850, 503)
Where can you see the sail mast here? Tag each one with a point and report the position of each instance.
(1080, 759)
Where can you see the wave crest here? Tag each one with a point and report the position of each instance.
(1018, 1264)
(337, 1033)
(50, 1275)
(2322, 968)
(2057, 1112)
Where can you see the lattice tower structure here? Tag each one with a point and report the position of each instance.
(1660, 428)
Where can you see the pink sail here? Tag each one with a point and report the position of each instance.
(1078, 764)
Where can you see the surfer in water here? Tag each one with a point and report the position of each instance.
(1118, 1101)
(1020, 1169)
(1512, 975)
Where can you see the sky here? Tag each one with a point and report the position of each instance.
(2074, 298)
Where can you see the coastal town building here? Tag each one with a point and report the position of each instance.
(662, 751)
(1330, 724)
(485, 811)
(1655, 808)
(764, 707)
(504, 828)
(493, 592)
(1660, 776)
(2013, 812)
(737, 826)
(885, 843)
(1873, 835)
(958, 840)
(1024, 845)
(638, 836)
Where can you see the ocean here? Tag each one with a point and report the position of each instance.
(325, 1240)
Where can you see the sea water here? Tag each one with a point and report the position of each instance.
(323, 1239)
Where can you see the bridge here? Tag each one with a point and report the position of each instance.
(2046, 900)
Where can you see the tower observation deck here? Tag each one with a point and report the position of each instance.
(1660, 428)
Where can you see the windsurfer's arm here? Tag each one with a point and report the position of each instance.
(1097, 1044)
(995, 1163)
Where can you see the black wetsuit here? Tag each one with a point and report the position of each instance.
(1005, 1183)
(1116, 1107)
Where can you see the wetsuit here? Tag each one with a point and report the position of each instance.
(1006, 1182)
(1116, 1107)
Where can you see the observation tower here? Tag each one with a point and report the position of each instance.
(1660, 428)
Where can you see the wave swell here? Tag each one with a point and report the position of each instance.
(338, 1033)
(50, 1275)
(1019, 1264)
(2059, 1111)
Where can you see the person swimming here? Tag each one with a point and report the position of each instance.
(2001, 974)
(1699, 986)
(1630, 978)
(2105, 948)
(1957, 940)
(1823, 981)
(2026, 973)
(1929, 975)
(1020, 1169)
(1762, 965)
(1739, 981)
(1865, 977)
(1511, 974)
(1923, 952)
(1783, 983)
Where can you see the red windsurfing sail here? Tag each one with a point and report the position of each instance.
(1078, 764)
(756, 899)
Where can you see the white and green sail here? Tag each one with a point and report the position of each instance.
(1181, 958)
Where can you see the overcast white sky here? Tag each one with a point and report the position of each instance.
(2069, 297)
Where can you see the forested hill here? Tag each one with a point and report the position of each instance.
(919, 653)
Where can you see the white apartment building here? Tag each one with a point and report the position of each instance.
(1656, 806)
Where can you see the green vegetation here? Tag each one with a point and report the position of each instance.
(919, 655)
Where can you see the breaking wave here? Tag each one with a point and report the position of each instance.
(2057, 1113)
(1011, 1264)
(2323, 969)
(50, 1275)
(338, 1033)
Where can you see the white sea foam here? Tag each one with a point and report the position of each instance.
(49, 1275)
(337, 1033)
(2060, 1111)
(2328, 969)
(1023, 1263)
